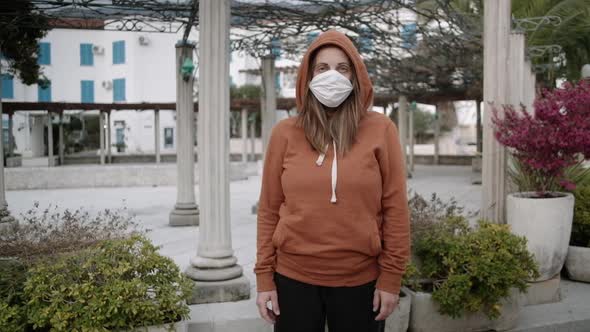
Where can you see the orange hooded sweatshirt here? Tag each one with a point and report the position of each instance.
(304, 232)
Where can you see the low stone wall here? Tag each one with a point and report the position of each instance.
(457, 160)
(136, 159)
(112, 175)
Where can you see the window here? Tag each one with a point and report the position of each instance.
(44, 93)
(276, 48)
(365, 40)
(168, 137)
(7, 86)
(5, 133)
(87, 91)
(119, 89)
(86, 55)
(311, 37)
(119, 52)
(120, 136)
(44, 54)
(409, 35)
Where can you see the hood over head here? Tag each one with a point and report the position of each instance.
(338, 39)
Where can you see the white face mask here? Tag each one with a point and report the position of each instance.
(331, 88)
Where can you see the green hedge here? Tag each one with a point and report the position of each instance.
(117, 284)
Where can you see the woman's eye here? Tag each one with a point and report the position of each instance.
(343, 69)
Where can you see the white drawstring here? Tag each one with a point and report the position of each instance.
(334, 174)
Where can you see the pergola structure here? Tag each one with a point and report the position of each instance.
(259, 26)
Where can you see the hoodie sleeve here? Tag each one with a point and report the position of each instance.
(396, 224)
(271, 198)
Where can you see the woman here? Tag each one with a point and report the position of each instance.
(333, 227)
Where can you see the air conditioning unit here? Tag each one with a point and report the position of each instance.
(107, 85)
(97, 49)
(143, 40)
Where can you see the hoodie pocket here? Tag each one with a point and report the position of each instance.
(375, 238)
(277, 236)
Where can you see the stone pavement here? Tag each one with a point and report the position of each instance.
(151, 206)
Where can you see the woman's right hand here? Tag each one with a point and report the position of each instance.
(261, 301)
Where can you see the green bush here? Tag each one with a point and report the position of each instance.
(112, 285)
(12, 309)
(581, 226)
(467, 269)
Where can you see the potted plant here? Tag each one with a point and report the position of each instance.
(578, 257)
(464, 278)
(120, 285)
(544, 145)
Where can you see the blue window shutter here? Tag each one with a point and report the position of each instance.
(118, 52)
(7, 86)
(365, 40)
(86, 55)
(87, 91)
(409, 35)
(44, 54)
(119, 89)
(44, 94)
(311, 37)
(276, 47)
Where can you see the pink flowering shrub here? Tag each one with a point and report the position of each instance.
(551, 140)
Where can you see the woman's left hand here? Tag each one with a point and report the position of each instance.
(386, 301)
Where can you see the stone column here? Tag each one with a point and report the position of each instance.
(411, 138)
(497, 23)
(518, 79)
(402, 123)
(478, 126)
(253, 141)
(37, 136)
(244, 135)
(10, 134)
(101, 135)
(61, 145)
(108, 144)
(437, 133)
(186, 211)
(3, 204)
(49, 139)
(157, 134)
(269, 111)
(217, 275)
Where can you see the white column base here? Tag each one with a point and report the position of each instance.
(220, 291)
(184, 214)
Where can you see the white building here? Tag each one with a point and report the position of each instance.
(97, 66)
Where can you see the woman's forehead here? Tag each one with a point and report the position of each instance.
(332, 55)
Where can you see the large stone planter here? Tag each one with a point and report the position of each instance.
(578, 263)
(424, 316)
(547, 224)
(399, 320)
(181, 326)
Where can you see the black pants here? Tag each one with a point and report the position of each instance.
(305, 307)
